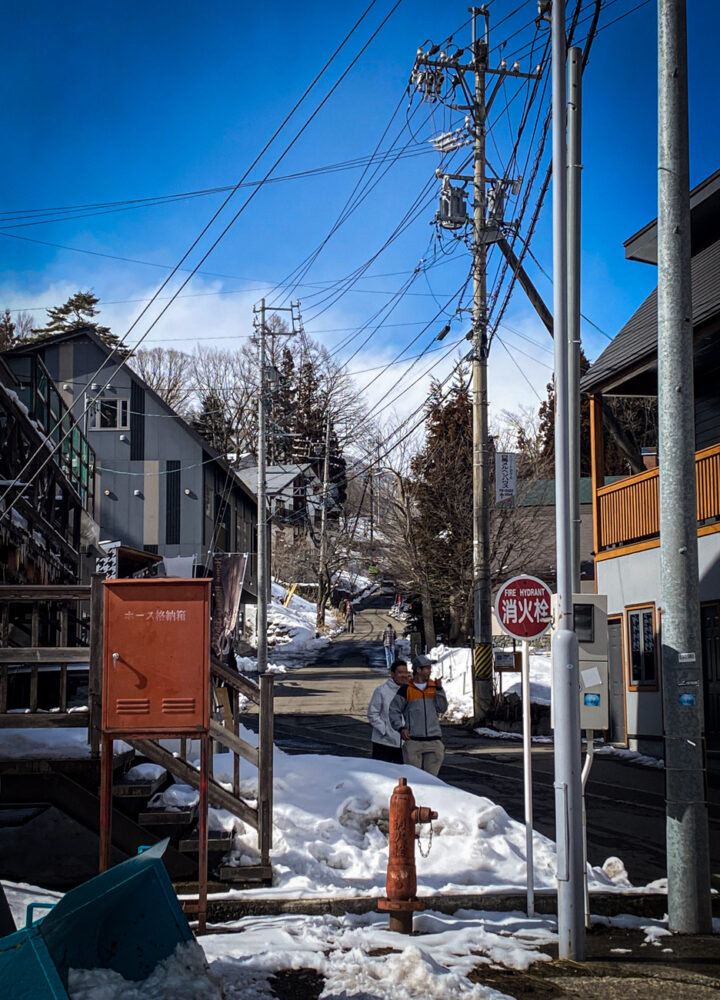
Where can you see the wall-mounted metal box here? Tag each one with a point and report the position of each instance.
(156, 657)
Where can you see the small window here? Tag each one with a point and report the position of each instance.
(584, 622)
(641, 641)
(110, 414)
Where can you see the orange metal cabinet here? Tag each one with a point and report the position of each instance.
(156, 656)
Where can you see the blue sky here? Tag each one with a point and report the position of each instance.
(110, 102)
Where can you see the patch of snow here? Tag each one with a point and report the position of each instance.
(432, 965)
(184, 975)
(145, 772)
(630, 755)
(58, 743)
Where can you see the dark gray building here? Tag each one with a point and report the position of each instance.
(160, 486)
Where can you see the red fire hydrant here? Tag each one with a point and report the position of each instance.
(401, 883)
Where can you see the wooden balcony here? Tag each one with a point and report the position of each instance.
(628, 512)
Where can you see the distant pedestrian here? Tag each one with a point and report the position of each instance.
(349, 617)
(386, 742)
(414, 715)
(389, 638)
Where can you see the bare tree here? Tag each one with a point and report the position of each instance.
(168, 373)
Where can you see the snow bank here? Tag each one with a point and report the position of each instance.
(331, 822)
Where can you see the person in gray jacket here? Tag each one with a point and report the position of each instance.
(386, 740)
(414, 715)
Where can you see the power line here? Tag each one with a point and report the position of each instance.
(217, 213)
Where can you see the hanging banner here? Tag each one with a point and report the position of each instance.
(505, 478)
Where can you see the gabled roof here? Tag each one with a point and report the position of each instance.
(635, 346)
(277, 477)
(704, 213)
(87, 332)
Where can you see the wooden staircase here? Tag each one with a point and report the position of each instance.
(73, 786)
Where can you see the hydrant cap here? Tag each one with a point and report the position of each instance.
(402, 782)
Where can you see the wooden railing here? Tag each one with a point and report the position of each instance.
(54, 632)
(629, 511)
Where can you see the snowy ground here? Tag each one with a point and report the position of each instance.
(355, 955)
(455, 669)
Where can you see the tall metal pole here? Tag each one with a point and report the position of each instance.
(574, 174)
(322, 556)
(527, 779)
(566, 685)
(262, 553)
(482, 596)
(686, 810)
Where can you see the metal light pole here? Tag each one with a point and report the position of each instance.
(686, 809)
(566, 681)
(482, 594)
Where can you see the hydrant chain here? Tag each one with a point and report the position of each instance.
(418, 830)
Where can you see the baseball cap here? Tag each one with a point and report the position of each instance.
(423, 661)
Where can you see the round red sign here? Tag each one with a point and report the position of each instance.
(524, 607)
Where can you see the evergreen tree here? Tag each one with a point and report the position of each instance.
(7, 331)
(77, 312)
(442, 491)
(213, 424)
(636, 415)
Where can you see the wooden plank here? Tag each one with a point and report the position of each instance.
(33, 687)
(62, 703)
(5, 625)
(32, 593)
(35, 627)
(188, 774)
(265, 768)
(44, 720)
(234, 743)
(223, 699)
(246, 873)
(63, 627)
(242, 684)
(45, 654)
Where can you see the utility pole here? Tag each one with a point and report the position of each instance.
(264, 578)
(565, 667)
(688, 863)
(574, 174)
(482, 589)
(322, 556)
(487, 226)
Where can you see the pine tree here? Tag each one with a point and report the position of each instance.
(7, 331)
(78, 312)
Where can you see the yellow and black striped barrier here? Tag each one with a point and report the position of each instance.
(482, 660)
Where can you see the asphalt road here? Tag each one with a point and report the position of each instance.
(321, 708)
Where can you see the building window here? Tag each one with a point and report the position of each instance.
(110, 414)
(172, 502)
(137, 423)
(641, 642)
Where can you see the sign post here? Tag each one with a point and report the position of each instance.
(523, 607)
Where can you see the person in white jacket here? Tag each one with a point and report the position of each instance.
(386, 742)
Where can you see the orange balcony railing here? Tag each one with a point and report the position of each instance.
(629, 511)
